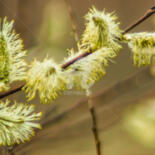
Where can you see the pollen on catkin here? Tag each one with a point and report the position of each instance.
(142, 46)
(12, 64)
(47, 78)
(17, 122)
(101, 30)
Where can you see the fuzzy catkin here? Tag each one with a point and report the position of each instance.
(101, 30)
(142, 46)
(17, 122)
(47, 78)
(12, 63)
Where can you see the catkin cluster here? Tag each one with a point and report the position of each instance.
(16, 119)
(100, 38)
(100, 43)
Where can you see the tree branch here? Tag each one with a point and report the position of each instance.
(94, 123)
(71, 15)
(10, 92)
(147, 14)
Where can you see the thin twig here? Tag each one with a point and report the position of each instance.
(71, 15)
(65, 65)
(10, 92)
(147, 14)
(94, 124)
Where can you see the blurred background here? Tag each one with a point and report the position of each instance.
(124, 99)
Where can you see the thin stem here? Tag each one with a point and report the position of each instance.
(13, 91)
(71, 15)
(94, 124)
(65, 65)
(147, 14)
(86, 53)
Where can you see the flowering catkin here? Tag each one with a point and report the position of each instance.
(101, 30)
(12, 64)
(47, 78)
(17, 122)
(142, 46)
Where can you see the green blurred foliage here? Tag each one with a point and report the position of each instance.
(139, 121)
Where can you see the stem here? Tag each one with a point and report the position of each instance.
(86, 53)
(71, 15)
(94, 123)
(15, 90)
(147, 14)
(65, 65)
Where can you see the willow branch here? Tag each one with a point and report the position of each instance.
(86, 53)
(147, 14)
(71, 15)
(94, 124)
(65, 65)
(10, 92)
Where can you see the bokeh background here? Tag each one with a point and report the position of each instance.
(124, 98)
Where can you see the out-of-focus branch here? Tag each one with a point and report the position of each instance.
(71, 15)
(94, 123)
